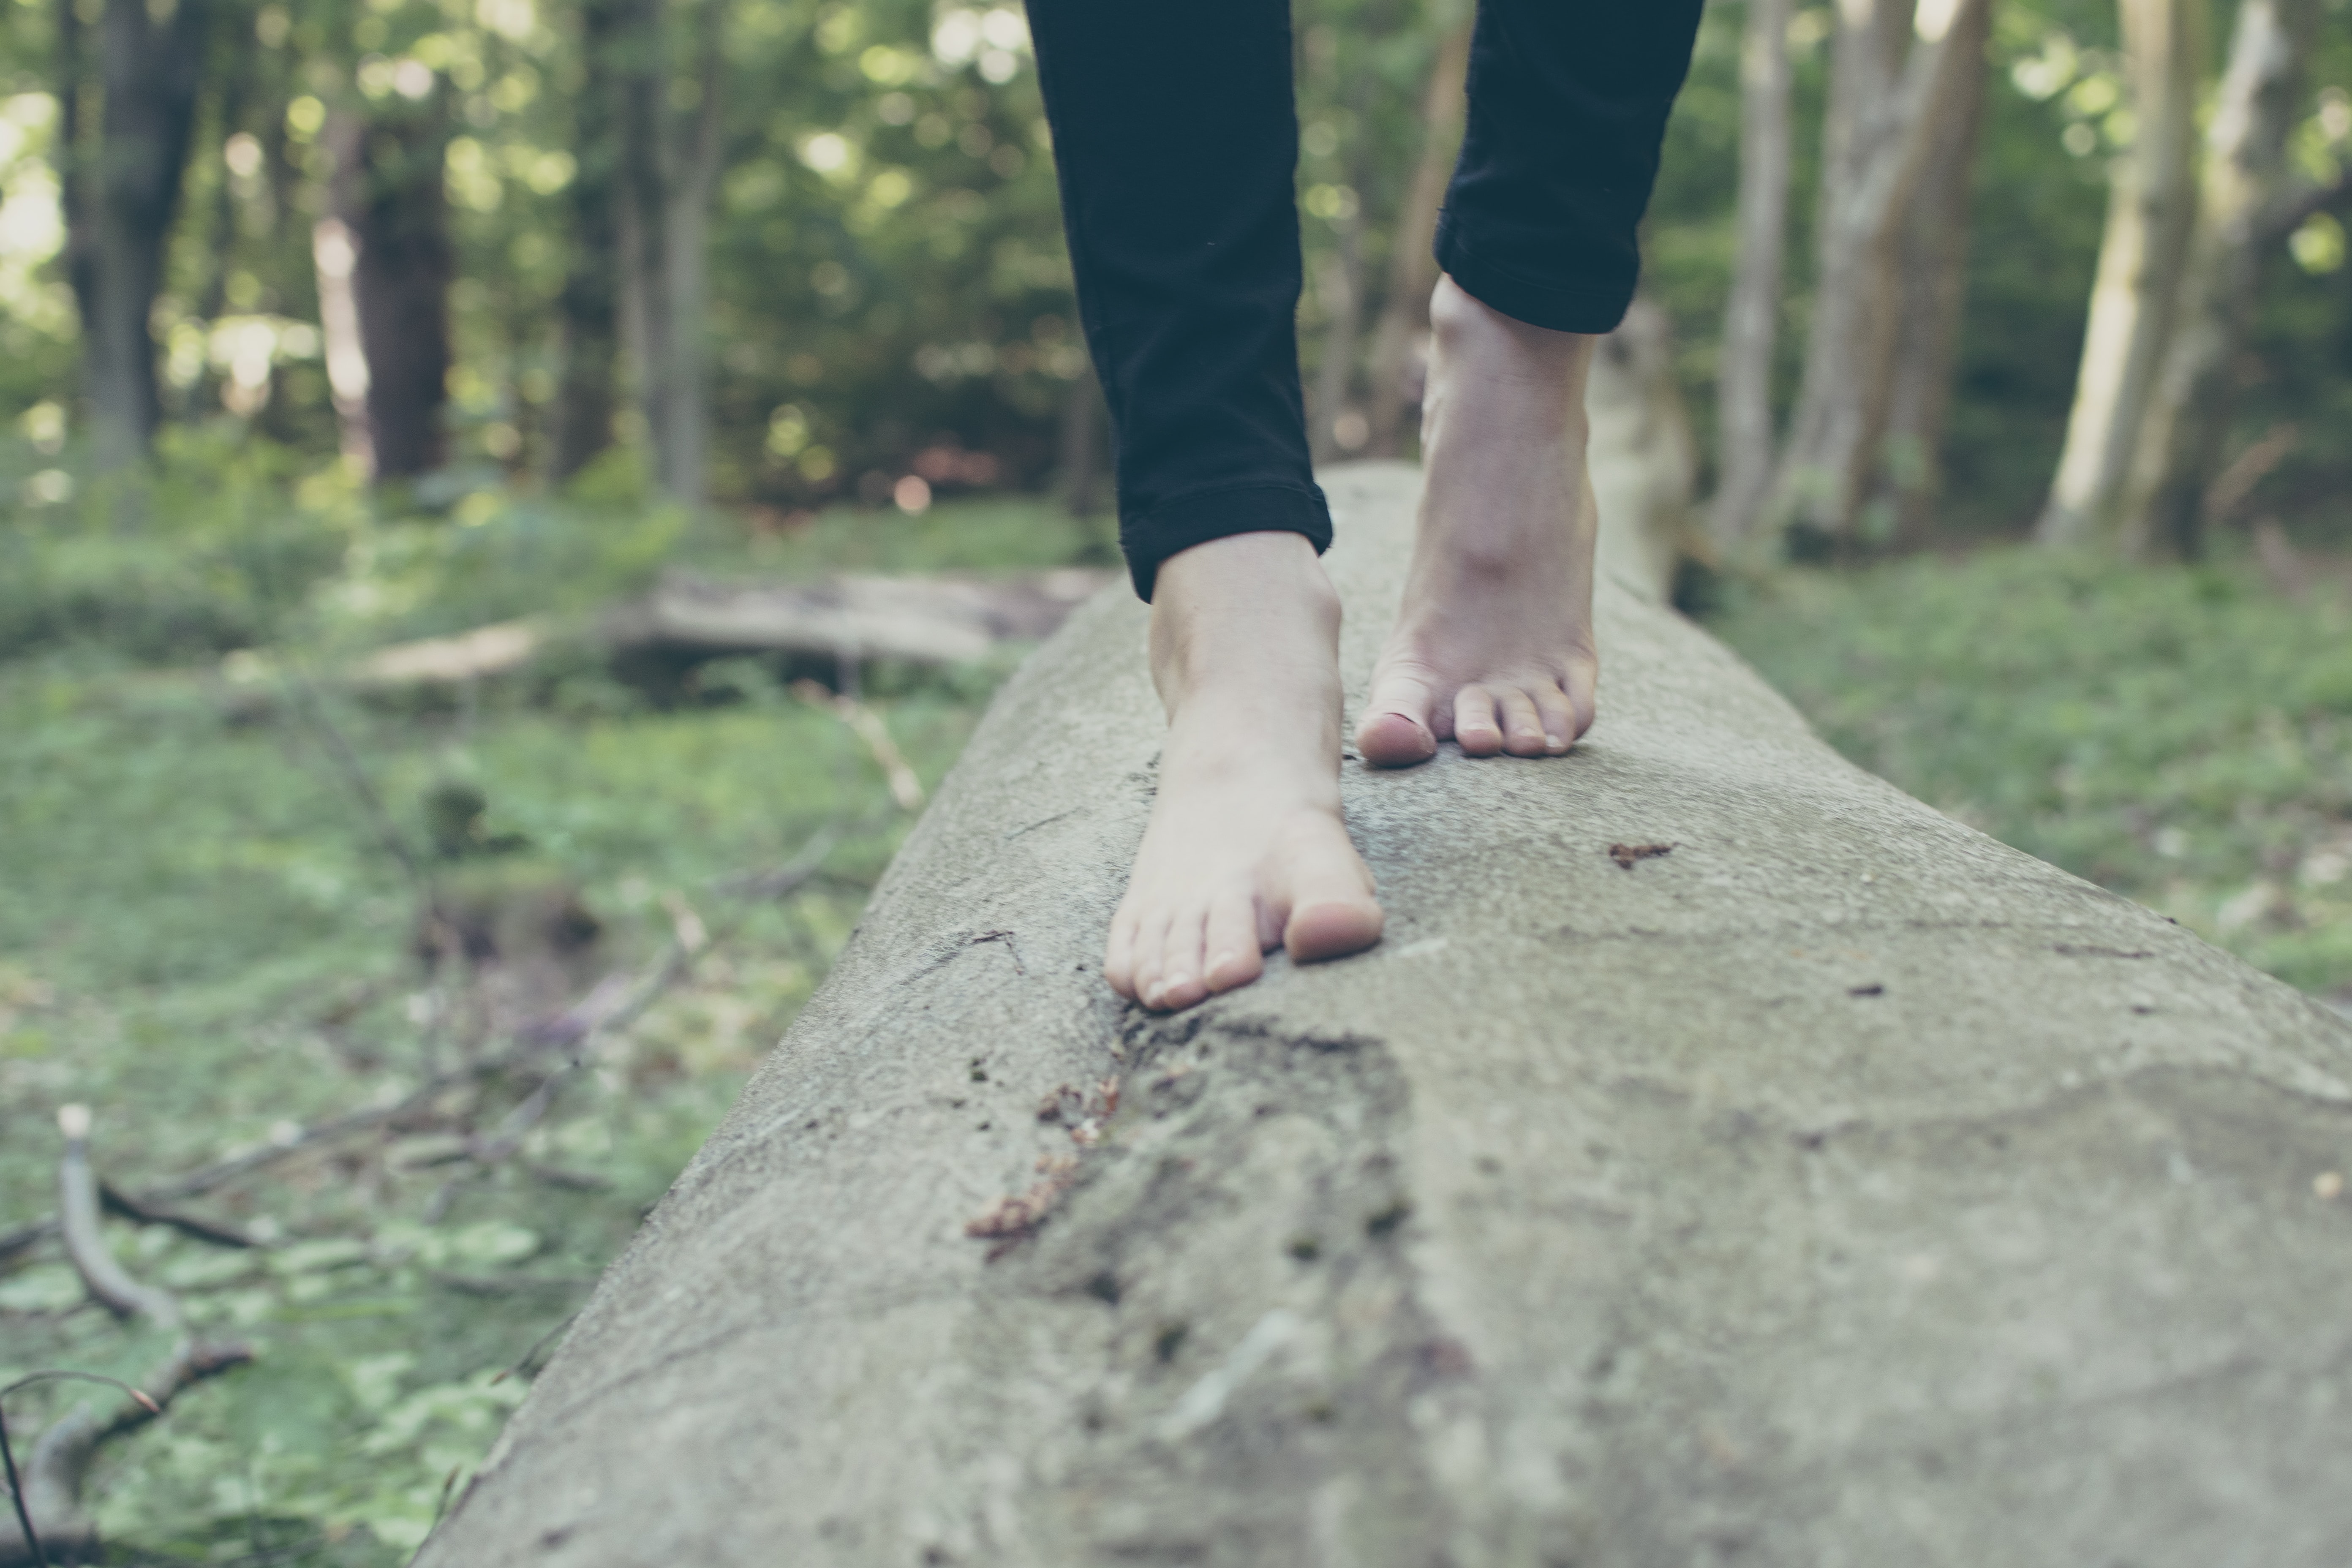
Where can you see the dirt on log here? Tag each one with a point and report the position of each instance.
(1724, 1158)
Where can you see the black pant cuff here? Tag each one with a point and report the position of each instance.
(1196, 518)
(1568, 306)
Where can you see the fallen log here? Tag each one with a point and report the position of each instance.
(917, 620)
(1724, 1157)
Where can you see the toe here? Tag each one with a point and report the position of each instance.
(1559, 715)
(1180, 964)
(1394, 731)
(1523, 731)
(1474, 722)
(1230, 943)
(1119, 954)
(1144, 977)
(1332, 928)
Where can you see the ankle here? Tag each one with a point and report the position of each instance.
(1252, 609)
(1468, 331)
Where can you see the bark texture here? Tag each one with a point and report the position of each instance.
(589, 306)
(1932, 266)
(1897, 81)
(669, 161)
(1394, 378)
(1839, 1187)
(2187, 417)
(1751, 316)
(2151, 207)
(151, 71)
(388, 198)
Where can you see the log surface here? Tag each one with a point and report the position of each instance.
(1839, 1187)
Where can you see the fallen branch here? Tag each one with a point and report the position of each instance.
(867, 726)
(46, 1495)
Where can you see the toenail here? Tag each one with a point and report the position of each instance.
(1175, 982)
(1220, 961)
(1553, 741)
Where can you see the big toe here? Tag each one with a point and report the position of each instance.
(1395, 739)
(1332, 928)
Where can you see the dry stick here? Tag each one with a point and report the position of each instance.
(78, 1211)
(867, 726)
(8, 1454)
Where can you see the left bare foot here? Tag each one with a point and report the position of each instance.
(1493, 645)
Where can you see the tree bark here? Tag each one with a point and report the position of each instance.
(1896, 79)
(589, 306)
(2151, 208)
(1835, 1181)
(1751, 316)
(1932, 266)
(2188, 419)
(1412, 268)
(151, 71)
(668, 163)
(387, 195)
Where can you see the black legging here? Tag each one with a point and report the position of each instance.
(1175, 138)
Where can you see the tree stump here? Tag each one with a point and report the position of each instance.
(1724, 1158)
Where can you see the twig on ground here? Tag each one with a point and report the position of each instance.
(867, 726)
(117, 1202)
(78, 1216)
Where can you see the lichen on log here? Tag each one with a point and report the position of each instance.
(1840, 1187)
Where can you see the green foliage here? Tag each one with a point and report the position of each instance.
(2182, 735)
(208, 941)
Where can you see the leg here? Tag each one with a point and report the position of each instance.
(1493, 646)
(1174, 138)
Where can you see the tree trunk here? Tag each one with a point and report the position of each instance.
(1343, 303)
(151, 71)
(1932, 267)
(72, 155)
(1751, 316)
(1412, 268)
(1648, 467)
(589, 305)
(2151, 206)
(1745, 1154)
(388, 198)
(1895, 82)
(668, 163)
(2187, 418)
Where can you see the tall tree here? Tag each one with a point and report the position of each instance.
(669, 160)
(589, 306)
(1413, 270)
(2151, 209)
(387, 191)
(149, 63)
(1751, 316)
(1896, 79)
(2180, 436)
(1931, 268)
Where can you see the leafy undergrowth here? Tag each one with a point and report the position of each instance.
(2182, 735)
(209, 939)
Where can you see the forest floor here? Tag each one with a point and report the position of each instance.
(209, 939)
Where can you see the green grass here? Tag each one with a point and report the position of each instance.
(205, 938)
(2182, 735)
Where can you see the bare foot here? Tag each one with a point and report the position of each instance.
(1493, 645)
(1245, 849)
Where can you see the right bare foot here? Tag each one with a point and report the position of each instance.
(1245, 847)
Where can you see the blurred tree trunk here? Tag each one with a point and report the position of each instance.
(589, 305)
(387, 195)
(2151, 208)
(1413, 270)
(73, 180)
(1897, 80)
(1932, 268)
(1751, 316)
(2182, 435)
(149, 63)
(668, 163)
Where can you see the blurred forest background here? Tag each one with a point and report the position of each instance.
(507, 506)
